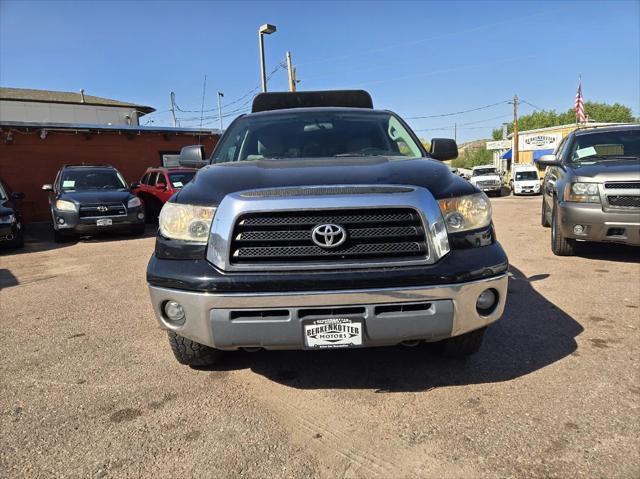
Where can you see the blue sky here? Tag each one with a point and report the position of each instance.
(416, 58)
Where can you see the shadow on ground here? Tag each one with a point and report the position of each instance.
(39, 237)
(532, 334)
(7, 279)
(609, 252)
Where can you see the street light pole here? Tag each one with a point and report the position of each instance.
(268, 30)
(220, 95)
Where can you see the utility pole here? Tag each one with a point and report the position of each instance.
(455, 132)
(220, 95)
(515, 155)
(172, 96)
(292, 73)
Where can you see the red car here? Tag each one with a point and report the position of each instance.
(158, 184)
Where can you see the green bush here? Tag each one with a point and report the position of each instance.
(471, 158)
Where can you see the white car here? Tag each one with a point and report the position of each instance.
(525, 180)
(487, 179)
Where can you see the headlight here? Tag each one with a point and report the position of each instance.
(7, 219)
(134, 202)
(186, 222)
(466, 212)
(582, 193)
(63, 205)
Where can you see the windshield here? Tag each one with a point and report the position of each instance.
(91, 179)
(526, 175)
(3, 193)
(316, 134)
(484, 171)
(606, 145)
(178, 180)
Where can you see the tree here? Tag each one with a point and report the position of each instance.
(473, 157)
(599, 112)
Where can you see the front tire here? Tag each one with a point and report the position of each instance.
(560, 245)
(191, 353)
(544, 221)
(463, 345)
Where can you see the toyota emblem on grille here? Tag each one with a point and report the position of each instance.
(102, 208)
(328, 235)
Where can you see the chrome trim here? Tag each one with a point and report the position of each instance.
(198, 307)
(607, 189)
(237, 204)
(126, 212)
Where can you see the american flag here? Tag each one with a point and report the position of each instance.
(579, 106)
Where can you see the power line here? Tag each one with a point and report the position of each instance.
(457, 112)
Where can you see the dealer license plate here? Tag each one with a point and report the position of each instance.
(333, 333)
(104, 222)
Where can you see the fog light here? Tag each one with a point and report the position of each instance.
(60, 221)
(487, 301)
(141, 215)
(578, 229)
(174, 311)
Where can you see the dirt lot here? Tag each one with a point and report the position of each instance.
(89, 386)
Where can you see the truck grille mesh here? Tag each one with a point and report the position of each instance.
(624, 201)
(623, 185)
(93, 210)
(285, 237)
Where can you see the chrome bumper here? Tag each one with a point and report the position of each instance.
(217, 320)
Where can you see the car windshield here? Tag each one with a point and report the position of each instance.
(526, 175)
(316, 134)
(91, 179)
(606, 145)
(178, 180)
(3, 193)
(484, 171)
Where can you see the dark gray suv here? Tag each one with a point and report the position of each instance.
(591, 189)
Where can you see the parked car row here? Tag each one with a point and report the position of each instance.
(11, 227)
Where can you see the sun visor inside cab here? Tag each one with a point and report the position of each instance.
(310, 99)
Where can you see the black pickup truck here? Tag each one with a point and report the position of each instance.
(320, 222)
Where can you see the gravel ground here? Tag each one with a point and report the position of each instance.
(89, 387)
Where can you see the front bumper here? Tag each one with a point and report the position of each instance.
(275, 319)
(526, 190)
(599, 225)
(88, 225)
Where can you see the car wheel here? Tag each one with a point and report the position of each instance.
(560, 245)
(544, 221)
(511, 188)
(191, 353)
(463, 345)
(61, 236)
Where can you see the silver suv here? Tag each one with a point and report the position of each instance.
(591, 189)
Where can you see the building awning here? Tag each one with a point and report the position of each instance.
(538, 153)
(506, 155)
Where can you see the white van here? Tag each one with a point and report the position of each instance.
(525, 180)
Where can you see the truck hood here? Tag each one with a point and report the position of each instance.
(214, 182)
(485, 178)
(97, 196)
(611, 170)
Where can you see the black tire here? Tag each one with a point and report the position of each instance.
(560, 245)
(543, 216)
(61, 236)
(138, 230)
(191, 353)
(511, 188)
(463, 345)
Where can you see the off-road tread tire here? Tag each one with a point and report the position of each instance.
(543, 216)
(560, 246)
(191, 353)
(464, 345)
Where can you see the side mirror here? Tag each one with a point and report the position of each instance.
(192, 156)
(135, 185)
(548, 160)
(47, 187)
(161, 186)
(18, 196)
(443, 149)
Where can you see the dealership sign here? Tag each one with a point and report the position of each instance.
(539, 141)
(499, 145)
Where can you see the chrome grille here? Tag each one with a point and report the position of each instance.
(94, 210)
(285, 237)
(621, 201)
(488, 183)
